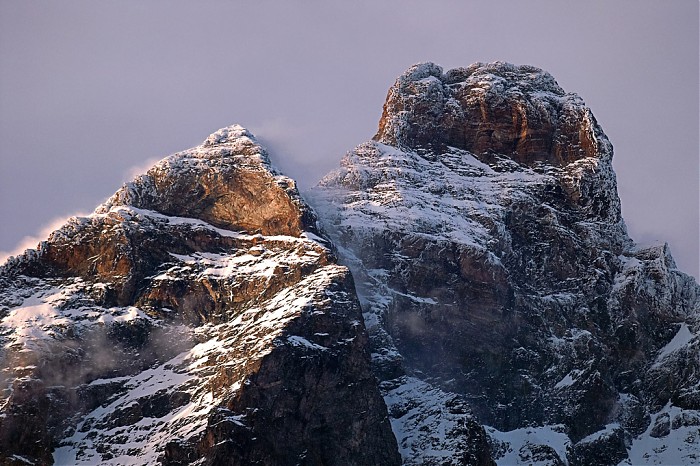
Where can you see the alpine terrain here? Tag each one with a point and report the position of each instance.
(197, 317)
(499, 313)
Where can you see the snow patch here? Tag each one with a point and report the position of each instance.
(303, 342)
(516, 442)
(680, 447)
(681, 339)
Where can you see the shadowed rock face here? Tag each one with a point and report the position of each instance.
(200, 316)
(487, 109)
(484, 230)
(196, 316)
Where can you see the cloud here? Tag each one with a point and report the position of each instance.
(140, 168)
(296, 150)
(31, 242)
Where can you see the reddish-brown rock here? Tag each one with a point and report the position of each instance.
(194, 317)
(488, 109)
(227, 181)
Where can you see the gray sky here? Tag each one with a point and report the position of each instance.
(91, 89)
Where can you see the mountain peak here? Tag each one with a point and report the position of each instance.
(193, 318)
(517, 111)
(228, 135)
(526, 76)
(228, 181)
(484, 231)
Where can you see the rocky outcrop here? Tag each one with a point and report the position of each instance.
(201, 316)
(488, 109)
(485, 233)
(227, 181)
(196, 316)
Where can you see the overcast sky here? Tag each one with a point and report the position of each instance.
(91, 89)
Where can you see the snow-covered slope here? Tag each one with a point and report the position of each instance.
(499, 313)
(195, 318)
(483, 227)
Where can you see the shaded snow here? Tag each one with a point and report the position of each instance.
(426, 428)
(682, 338)
(444, 200)
(569, 379)
(680, 447)
(514, 444)
(32, 324)
(303, 342)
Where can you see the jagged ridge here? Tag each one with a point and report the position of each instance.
(199, 315)
(195, 317)
(484, 230)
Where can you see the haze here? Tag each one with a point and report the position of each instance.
(91, 91)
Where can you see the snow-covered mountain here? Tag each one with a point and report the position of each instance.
(499, 313)
(195, 318)
(483, 228)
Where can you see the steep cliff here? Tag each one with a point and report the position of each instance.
(483, 228)
(499, 312)
(196, 317)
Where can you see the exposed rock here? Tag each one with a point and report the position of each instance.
(194, 317)
(606, 448)
(539, 454)
(662, 426)
(487, 109)
(484, 230)
(200, 316)
(227, 182)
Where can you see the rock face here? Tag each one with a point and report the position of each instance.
(487, 109)
(483, 228)
(226, 182)
(499, 312)
(196, 317)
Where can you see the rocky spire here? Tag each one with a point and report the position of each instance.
(228, 181)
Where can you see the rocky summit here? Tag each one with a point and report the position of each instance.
(499, 313)
(508, 310)
(197, 317)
